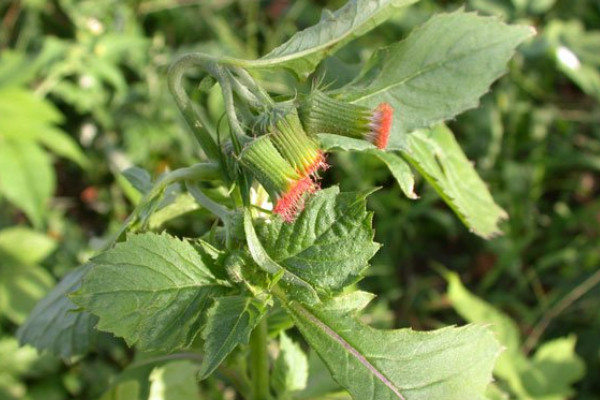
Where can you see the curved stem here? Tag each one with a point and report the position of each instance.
(206, 202)
(194, 120)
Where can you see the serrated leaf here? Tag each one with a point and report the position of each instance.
(56, 326)
(329, 244)
(145, 287)
(295, 286)
(303, 52)
(25, 245)
(439, 158)
(290, 372)
(229, 322)
(174, 381)
(439, 71)
(449, 363)
(26, 177)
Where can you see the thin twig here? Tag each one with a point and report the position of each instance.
(558, 308)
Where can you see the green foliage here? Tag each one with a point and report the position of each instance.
(147, 279)
(56, 318)
(453, 60)
(451, 363)
(439, 158)
(303, 52)
(551, 371)
(329, 244)
(234, 303)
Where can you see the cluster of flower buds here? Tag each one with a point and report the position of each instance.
(286, 162)
(287, 159)
(321, 113)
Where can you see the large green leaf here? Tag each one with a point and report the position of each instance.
(329, 244)
(439, 71)
(56, 325)
(229, 322)
(303, 52)
(450, 363)
(26, 177)
(439, 158)
(295, 286)
(152, 290)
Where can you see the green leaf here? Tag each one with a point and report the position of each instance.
(439, 71)
(450, 363)
(547, 376)
(34, 119)
(229, 322)
(295, 286)
(555, 367)
(25, 245)
(21, 287)
(174, 381)
(56, 325)
(332, 142)
(152, 290)
(290, 372)
(474, 309)
(26, 177)
(303, 52)
(398, 167)
(439, 158)
(329, 244)
(400, 170)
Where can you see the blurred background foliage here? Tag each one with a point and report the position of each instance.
(83, 97)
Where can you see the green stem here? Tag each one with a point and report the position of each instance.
(194, 120)
(259, 362)
(206, 202)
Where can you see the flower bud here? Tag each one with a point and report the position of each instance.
(296, 147)
(285, 185)
(323, 114)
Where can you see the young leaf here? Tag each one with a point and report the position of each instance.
(303, 52)
(290, 372)
(329, 244)
(229, 322)
(398, 167)
(26, 177)
(56, 325)
(152, 290)
(400, 170)
(295, 286)
(439, 71)
(439, 158)
(449, 363)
